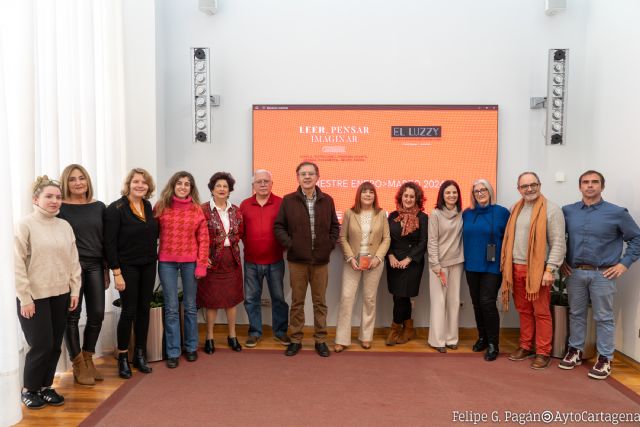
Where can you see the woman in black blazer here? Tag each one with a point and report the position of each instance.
(405, 259)
(131, 239)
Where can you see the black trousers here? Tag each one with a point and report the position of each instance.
(484, 288)
(401, 309)
(139, 282)
(92, 289)
(44, 332)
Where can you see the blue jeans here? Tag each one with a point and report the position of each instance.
(168, 272)
(583, 285)
(254, 274)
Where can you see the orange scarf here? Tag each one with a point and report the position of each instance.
(536, 251)
(408, 218)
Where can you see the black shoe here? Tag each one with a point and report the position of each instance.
(480, 345)
(234, 344)
(32, 400)
(293, 349)
(173, 362)
(140, 362)
(50, 396)
(491, 353)
(322, 349)
(124, 370)
(191, 356)
(209, 347)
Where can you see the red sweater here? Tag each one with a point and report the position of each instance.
(183, 235)
(260, 244)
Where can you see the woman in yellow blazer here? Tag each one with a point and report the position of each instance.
(365, 240)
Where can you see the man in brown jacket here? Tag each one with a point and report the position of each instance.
(307, 226)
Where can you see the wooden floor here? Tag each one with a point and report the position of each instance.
(82, 400)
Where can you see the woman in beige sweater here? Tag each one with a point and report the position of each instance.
(365, 240)
(47, 274)
(446, 257)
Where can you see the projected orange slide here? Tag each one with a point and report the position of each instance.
(387, 145)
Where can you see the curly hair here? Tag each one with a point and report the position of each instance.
(221, 175)
(416, 188)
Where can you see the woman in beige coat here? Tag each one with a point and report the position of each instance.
(365, 240)
(446, 258)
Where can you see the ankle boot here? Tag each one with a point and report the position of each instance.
(81, 373)
(408, 332)
(124, 370)
(88, 359)
(492, 352)
(394, 334)
(140, 362)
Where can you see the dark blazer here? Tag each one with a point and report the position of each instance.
(406, 282)
(292, 228)
(128, 239)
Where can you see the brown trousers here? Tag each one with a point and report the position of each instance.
(300, 277)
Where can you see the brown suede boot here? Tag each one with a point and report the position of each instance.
(408, 332)
(80, 371)
(88, 359)
(394, 334)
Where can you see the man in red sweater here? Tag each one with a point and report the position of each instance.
(263, 259)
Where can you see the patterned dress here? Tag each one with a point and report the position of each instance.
(222, 286)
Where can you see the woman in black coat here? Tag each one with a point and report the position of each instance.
(405, 259)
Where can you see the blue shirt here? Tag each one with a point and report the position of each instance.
(476, 234)
(596, 234)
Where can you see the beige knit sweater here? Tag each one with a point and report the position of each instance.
(46, 258)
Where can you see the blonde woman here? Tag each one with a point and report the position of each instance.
(365, 240)
(47, 274)
(131, 240)
(85, 215)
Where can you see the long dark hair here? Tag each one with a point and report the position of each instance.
(441, 204)
(357, 205)
(169, 191)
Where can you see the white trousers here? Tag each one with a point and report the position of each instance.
(445, 306)
(350, 281)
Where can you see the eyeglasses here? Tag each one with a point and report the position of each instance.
(533, 186)
(480, 191)
(262, 181)
(307, 174)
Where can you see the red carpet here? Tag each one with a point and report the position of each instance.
(265, 388)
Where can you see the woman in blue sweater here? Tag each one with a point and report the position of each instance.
(482, 231)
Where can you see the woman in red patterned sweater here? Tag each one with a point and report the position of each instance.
(184, 248)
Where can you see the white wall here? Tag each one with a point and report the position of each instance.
(411, 52)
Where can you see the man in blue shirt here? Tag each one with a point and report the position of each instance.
(595, 259)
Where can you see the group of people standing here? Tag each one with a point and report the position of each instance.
(65, 248)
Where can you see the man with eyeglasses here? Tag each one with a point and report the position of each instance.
(532, 250)
(307, 226)
(595, 259)
(263, 260)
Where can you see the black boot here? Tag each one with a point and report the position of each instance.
(124, 370)
(480, 345)
(492, 352)
(140, 362)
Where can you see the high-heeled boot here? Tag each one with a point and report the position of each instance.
(88, 359)
(124, 370)
(81, 373)
(408, 333)
(394, 334)
(140, 362)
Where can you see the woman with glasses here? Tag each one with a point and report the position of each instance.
(131, 242)
(85, 214)
(365, 239)
(405, 259)
(483, 228)
(446, 261)
(184, 249)
(47, 280)
(222, 286)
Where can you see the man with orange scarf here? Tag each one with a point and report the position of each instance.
(532, 250)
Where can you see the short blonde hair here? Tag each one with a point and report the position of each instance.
(64, 180)
(487, 185)
(147, 177)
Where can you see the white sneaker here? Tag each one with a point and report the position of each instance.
(602, 369)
